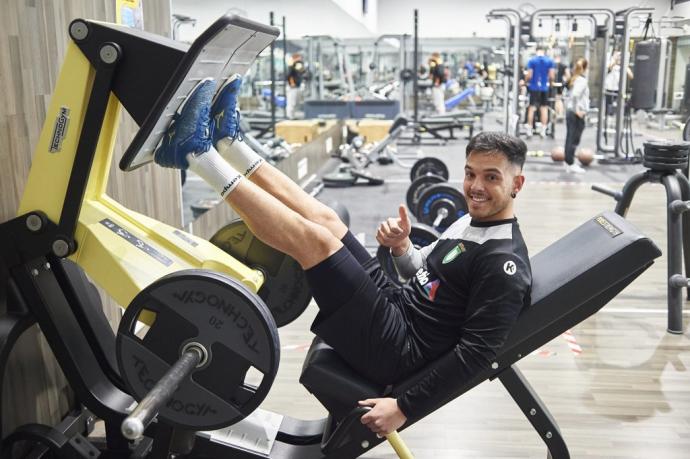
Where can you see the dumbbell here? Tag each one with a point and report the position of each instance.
(430, 199)
(424, 173)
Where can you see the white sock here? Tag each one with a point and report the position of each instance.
(211, 167)
(239, 155)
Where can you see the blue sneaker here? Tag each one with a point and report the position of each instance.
(224, 113)
(190, 130)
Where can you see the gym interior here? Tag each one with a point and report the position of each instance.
(110, 263)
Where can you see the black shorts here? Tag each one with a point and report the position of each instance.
(368, 328)
(538, 98)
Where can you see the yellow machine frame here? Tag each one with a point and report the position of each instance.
(121, 250)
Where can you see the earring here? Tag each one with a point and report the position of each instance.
(513, 195)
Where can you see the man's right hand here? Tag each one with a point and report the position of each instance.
(395, 232)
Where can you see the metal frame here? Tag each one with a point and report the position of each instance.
(677, 189)
(512, 19)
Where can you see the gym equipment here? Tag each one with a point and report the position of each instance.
(665, 161)
(603, 255)
(429, 166)
(558, 154)
(65, 213)
(417, 187)
(346, 175)
(209, 330)
(585, 156)
(421, 235)
(440, 205)
(646, 63)
(355, 170)
(285, 288)
(451, 102)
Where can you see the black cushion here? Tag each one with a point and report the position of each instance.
(572, 279)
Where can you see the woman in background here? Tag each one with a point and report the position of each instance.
(577, 105)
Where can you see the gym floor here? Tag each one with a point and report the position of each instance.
(617, 385)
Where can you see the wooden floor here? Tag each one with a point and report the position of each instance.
(627, 394)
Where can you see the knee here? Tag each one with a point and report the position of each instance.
(319, 239)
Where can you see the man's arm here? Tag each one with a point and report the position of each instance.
(495, 303)
(409, 262)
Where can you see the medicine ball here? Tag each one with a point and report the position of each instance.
(585, 156)
(558, 154)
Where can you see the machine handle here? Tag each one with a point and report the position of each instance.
(617, 195)
(399, 446)
(134, 425)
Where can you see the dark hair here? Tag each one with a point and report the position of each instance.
(491, 142)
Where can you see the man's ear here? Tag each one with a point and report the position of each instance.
(518, 182)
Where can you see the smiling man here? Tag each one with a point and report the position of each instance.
(466, 289)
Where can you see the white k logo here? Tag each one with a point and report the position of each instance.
(509, 267)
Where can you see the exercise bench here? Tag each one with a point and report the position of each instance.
(572, 279)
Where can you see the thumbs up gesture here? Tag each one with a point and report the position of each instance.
(394, 232)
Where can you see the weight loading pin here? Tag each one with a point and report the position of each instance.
(441, 215)
(193, 356)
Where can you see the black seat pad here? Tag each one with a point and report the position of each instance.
(572, 279)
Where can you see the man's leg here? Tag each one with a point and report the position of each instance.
(544, 115)
(187, 143)
(235, 151)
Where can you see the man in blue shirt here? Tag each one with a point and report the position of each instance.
(540, 72)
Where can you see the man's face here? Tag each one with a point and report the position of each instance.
(489, 181)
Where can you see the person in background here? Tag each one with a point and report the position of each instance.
(577, 105)
(438, 82)
(561, 82)
(612, 80)
(540, 72)
(295, 76)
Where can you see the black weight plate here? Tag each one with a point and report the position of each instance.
(285, 290)
(228, 320)
(428, 166)
(417, 187)
(421, 235)
(437, 196)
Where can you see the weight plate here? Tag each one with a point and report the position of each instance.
(417, 187)
(370, 180)
(429, 166)
(285, 290)
(228, 320)
(437, 197)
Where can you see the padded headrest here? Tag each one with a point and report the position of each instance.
(572, 279)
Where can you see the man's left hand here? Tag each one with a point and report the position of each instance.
(384, 417)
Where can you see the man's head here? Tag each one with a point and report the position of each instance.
(493, 175)
(540, 50)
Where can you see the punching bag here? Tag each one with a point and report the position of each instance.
(647, 56)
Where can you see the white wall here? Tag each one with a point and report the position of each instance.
(354, 9)
(303, 17)
(455, 18)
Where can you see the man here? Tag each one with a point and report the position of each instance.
(438, 75)
(562, 77)
(295, 76)
(540, 72)
(467, 289)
